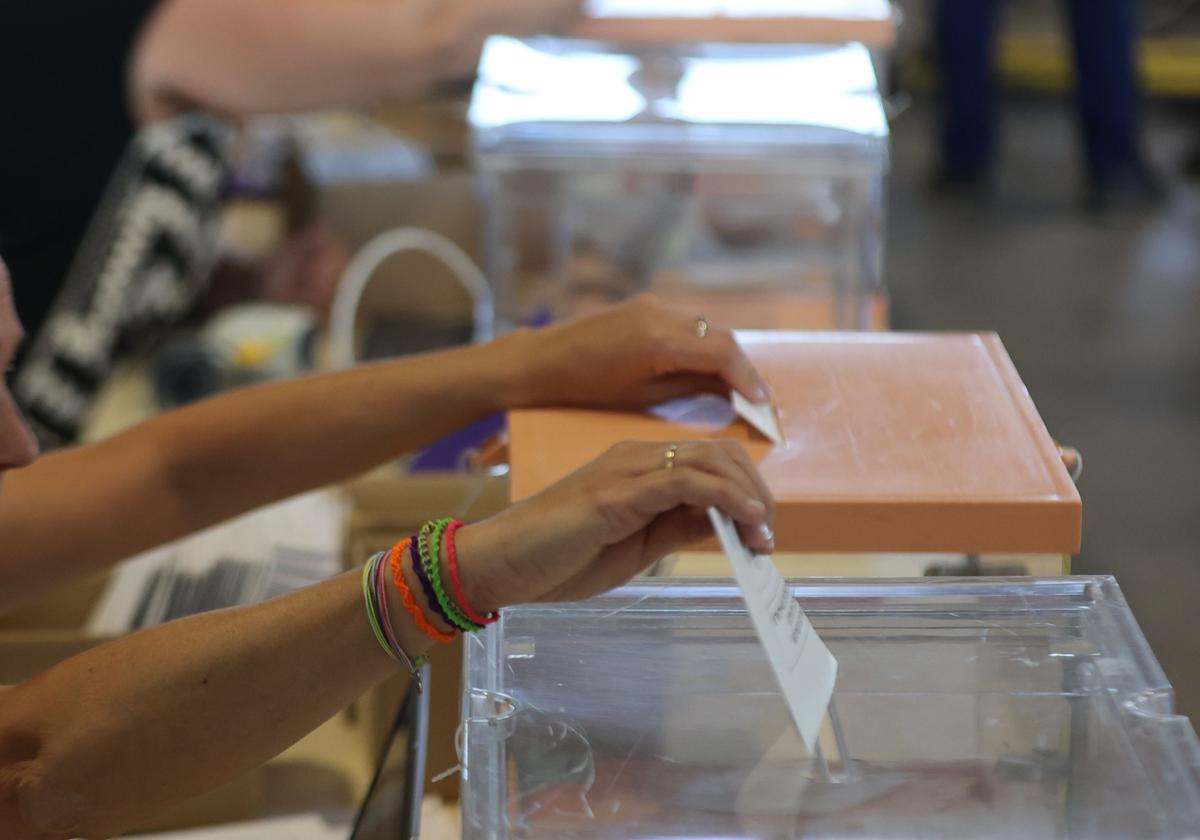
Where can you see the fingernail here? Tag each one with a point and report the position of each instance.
(768, 536)
(760, 394)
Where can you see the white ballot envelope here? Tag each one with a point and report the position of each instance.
(805, 668)
(762, 416)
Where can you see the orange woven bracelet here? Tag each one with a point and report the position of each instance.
(410, 603)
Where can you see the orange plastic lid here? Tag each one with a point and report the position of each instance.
(894, 442)
(871, 22)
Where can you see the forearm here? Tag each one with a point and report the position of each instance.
(253, 56)
(160, 715)
(81, 510)
(166, 714)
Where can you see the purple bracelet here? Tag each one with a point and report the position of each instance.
(427, 585)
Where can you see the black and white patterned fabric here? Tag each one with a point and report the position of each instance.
(144, 261)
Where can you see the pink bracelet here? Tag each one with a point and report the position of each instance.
(380, 584)
(456, 582)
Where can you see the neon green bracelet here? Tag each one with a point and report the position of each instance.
(430, 545)
(367, 578)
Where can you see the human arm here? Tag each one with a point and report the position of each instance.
(245, 57)
(168, 713)
(197, 466)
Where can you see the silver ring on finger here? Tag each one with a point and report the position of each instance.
(701, 326)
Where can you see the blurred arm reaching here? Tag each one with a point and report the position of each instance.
(239, 57)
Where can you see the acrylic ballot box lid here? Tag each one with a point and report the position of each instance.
(1014, 708)
(894, 442)
(553, 104)
(652, 22)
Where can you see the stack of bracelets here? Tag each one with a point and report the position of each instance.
(424, 552)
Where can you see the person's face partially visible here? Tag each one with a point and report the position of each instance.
(17, 444)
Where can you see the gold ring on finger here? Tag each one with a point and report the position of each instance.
(669, 456)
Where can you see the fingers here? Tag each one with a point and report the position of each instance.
(683, 527)
(651, 495)
(682, 347)
(728, 461)
(723, 459)
(718, 353)
(638, 501)
(760, 538)
(736, 367)
(675, 531)
(741, 458)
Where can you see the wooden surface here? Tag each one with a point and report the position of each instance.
(894, 442)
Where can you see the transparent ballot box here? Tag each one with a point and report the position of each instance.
(870, 22)
(742, 181)
(903, 454)
(1025, 708)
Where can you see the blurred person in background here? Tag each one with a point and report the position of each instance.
(1107, 96)
(77, 80)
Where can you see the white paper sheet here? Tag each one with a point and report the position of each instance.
(272, 551)
(761, 416)
(805, 668)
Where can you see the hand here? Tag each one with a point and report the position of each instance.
(603, 524)
(536, 17)
(471, 22)
(633, 355)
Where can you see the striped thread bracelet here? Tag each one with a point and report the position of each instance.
(427, 585)
(456, 581)
(430, 549)
(396, 563)
(375, 596)
(386, 619)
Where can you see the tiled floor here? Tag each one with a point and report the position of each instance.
(1103, 321)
